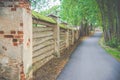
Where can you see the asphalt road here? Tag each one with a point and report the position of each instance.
(90, 62)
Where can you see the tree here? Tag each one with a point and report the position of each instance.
(111, 21)
(77, 11)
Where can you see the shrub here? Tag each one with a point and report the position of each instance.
(113, 43)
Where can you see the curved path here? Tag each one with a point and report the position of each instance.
(90, 62)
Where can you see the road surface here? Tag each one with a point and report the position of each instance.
(90, 62)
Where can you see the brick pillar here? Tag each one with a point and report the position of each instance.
(16, 38)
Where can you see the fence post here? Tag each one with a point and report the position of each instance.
(57, 40)
(77, 34)
(72, 37)
(16, 39)
(67, 38)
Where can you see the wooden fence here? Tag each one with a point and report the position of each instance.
(50, 39)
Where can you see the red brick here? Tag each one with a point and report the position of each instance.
(15, 43)
(29, 40)
(8, 36)
(21, 24)
(21, 4)
(17, 36)
(20, 41)
(22, 76)
(15, 40)
(16, 5)
(21, 65)
(20, 32)
(13, 9)
(28, 43)
(13, 32)
(21, 36)
(1, 32)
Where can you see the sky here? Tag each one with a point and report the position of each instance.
(47, 5)
(52, 3)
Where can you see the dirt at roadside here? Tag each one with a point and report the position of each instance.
(52, 69)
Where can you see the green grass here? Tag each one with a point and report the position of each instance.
(42, 17)
(112, 51)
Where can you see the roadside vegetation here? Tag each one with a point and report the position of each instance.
(115, 52)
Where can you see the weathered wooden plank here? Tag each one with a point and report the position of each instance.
(62, 30)
(38, 64)
(35, 21)
(62, 48)
(43, 50)
(38, 58)
(62, 33)
(37, 41)
(40, 29)
(63, 42)
(47, 43)
(62, 45)
(62, 38)
(42, 35)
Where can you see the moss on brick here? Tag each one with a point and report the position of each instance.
(42, 17)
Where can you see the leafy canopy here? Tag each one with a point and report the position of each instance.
(77, 11)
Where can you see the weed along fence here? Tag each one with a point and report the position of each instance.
(50, 39)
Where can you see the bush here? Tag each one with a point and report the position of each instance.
(113, 43)
(119, 47)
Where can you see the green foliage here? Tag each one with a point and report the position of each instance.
(42, 17)
(38, 4)
(113, 42)
(52, 10)
(119, 47)
(76, 11)
(113, 51)
(91, 12)
(110, 21)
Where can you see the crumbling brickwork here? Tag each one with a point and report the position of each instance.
(9, 68)
(15, 40)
